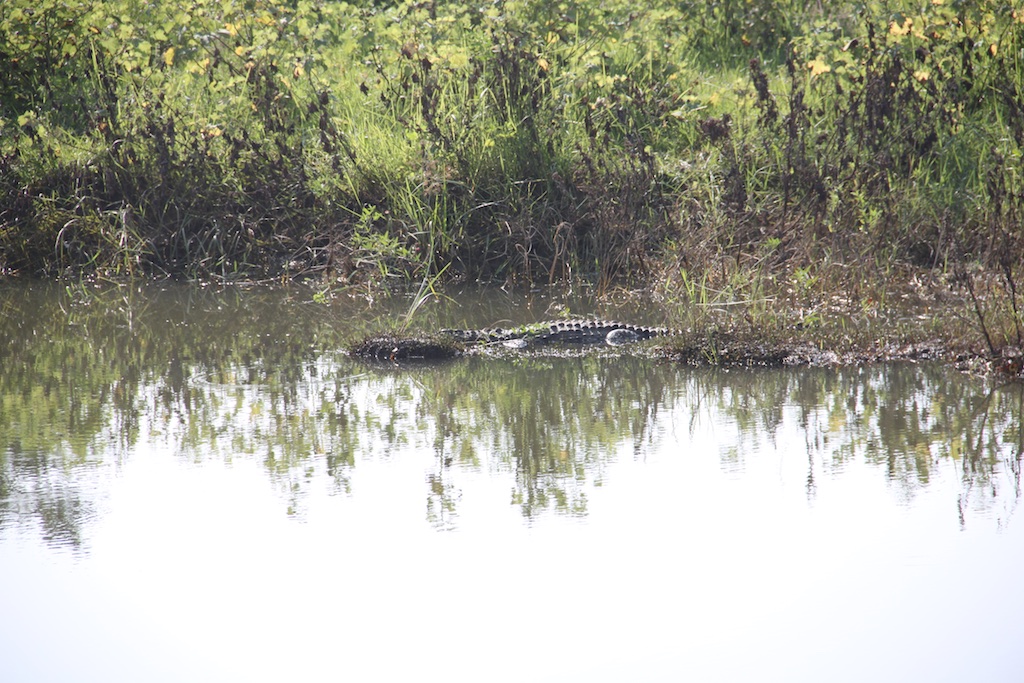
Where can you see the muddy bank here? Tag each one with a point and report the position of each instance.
(726, 350)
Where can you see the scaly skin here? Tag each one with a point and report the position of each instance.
(562, 332)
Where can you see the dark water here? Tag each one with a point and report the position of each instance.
(197, 484)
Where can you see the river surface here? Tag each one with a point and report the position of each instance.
(197, 484)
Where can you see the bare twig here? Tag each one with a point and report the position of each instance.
(967, 280)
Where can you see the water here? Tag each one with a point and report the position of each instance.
(198, 485)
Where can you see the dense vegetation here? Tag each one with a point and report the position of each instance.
(705, 146)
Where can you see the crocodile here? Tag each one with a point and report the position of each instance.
(584, 331)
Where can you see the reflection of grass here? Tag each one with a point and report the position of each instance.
(91, 373)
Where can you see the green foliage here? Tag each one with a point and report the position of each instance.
(519, 140)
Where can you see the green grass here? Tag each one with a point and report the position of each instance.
(737, 149)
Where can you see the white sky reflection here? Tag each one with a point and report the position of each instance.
(683, 569)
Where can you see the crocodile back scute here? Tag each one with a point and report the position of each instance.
(582, 331)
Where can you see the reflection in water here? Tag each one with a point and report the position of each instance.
(258, 375)
(905, 419)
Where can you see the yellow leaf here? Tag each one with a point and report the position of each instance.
(898, 30)
(922, 75)
(992, 49)
(231, 29)
(818, 66)
(169, 56)
(543, 64)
